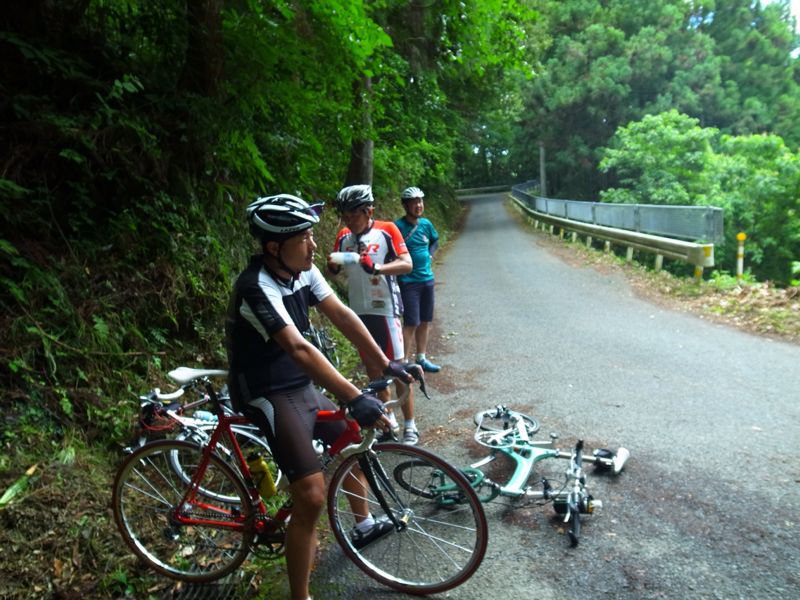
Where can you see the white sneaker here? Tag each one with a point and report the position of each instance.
(411, 436)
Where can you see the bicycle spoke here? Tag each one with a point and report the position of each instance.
(147, 492)
(443, 536)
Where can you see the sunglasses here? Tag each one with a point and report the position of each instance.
(317, 208)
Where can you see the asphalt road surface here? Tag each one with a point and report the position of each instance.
(707, 506)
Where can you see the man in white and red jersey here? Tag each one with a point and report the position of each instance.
(373, 292)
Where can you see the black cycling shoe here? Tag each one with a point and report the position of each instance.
(379, 529)
(389, 435)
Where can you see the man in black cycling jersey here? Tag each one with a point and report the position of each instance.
(271, 368)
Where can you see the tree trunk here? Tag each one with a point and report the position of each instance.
(204, 50)
(360, 169)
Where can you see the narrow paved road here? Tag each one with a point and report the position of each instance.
(708, 505)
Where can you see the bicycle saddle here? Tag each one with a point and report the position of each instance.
(183, 375)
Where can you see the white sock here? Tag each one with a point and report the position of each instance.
(421, 356)
(410, 424)
(365, 524)
(392, 420)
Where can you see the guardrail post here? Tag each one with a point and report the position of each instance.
(588, 241)
(698, 272)
(552, 229)
(629, 254)
(659, 262)
(740, 238)
(574, 236)
(607, 247)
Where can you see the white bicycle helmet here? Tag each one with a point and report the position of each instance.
(353, 197)
(282, 216)
(412, 192)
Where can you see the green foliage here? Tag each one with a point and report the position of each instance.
(731, 65)
(669, 159)
(136, 132)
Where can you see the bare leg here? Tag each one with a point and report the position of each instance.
(421, 336)
(356, 487)
(408, 405)
(308, 496)
(408, 337)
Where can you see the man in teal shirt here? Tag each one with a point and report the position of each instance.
(416, 287)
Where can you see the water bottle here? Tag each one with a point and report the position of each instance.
(259, 469)
(345, 258)
(204, 415)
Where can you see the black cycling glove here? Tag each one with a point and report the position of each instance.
(366, 409)
(402, 370)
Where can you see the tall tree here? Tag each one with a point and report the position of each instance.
(615, 61)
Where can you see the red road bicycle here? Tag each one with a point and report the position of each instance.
(200, 522)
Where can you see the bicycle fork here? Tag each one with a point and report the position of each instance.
(379, 482)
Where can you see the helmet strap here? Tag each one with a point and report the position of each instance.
(282, 266)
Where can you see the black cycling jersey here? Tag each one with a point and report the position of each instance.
(261, 305)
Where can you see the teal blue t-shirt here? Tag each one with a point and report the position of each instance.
(419, 242)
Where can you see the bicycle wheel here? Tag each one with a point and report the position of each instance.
(150, 498)
(439, 540)
(320, 337)
(500, 419)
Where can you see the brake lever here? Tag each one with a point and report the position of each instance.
(417, 374)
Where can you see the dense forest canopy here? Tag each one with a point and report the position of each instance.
(134, 133)
(674, 102)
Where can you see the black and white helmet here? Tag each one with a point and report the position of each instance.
(412, 192)
(353, 197)
(282, 216)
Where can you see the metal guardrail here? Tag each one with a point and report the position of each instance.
(699, 255)
(690, 223)
(483, 190)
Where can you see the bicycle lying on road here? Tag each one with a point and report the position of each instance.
(510, 433)
(198, 523)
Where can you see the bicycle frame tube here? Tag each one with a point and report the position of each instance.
(525, 456)
(348, 442)
(350, 436)
(191, 497)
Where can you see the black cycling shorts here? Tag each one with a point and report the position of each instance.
(288, 420)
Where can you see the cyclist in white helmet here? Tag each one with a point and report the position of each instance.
(271, 368)
(416, 287)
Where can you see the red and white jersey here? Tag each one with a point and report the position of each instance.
(373, 294)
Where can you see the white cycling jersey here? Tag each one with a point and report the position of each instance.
(373, 294)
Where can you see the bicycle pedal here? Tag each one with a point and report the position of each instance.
(619, 460)
(270, 537)
(594, 505)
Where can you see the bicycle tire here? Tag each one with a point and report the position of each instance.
(494, 420)
(147, 491)
(437, 548)
(574, 532)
